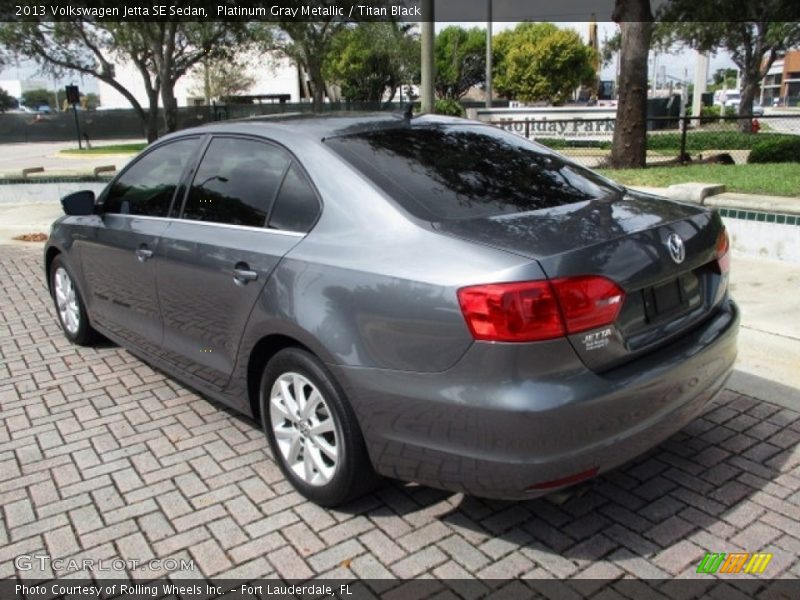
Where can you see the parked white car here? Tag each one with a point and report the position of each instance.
(726, 98)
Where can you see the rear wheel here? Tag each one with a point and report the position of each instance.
(312, 430)
(69, 305)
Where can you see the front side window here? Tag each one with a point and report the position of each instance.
(236, 182)
(147, 187)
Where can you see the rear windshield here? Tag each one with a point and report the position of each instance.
(448, 172)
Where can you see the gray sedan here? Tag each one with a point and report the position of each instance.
(429, 299)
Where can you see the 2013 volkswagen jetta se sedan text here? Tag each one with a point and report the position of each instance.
(430, 299)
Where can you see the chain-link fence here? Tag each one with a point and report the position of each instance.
(670, 140)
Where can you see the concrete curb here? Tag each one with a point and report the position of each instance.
(714, 195)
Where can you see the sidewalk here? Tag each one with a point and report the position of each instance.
(769, 339)
(705, 194)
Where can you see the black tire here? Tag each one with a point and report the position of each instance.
(353, 474)
(83, 334)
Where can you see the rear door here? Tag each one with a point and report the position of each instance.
(117, 251)
(214, 260)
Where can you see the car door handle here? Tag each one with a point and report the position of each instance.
(242, 274)
(144, 254)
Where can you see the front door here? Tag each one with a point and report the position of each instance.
(117, 254)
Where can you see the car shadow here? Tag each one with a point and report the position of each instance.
(698, 485)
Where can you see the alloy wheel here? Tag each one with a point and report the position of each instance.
(67, 301)
(304, 428)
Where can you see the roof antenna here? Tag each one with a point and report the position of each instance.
(408, 113)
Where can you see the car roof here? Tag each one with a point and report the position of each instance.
(319, 126)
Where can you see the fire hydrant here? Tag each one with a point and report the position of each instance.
(755, 126)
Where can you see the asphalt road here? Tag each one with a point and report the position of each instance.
(16, 157)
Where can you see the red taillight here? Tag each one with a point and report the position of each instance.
(539, 310)
(722, 251)
(588, 302)
(511, 312)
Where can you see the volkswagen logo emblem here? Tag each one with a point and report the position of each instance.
(676, 248)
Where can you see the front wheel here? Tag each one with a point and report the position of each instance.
(69, 305)
(312, 430)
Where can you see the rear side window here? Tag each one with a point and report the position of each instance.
(236, 182)
(296, 207)
(147, 187)
(446, 172)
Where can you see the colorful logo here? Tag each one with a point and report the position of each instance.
(735, 562)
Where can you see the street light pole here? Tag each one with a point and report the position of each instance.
(428, 40)
(489, 54)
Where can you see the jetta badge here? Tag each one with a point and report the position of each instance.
(676, 248)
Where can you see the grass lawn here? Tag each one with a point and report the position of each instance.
(110, 149)
(698, 140)
(779, 179)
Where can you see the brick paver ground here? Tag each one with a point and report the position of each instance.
(103, 457)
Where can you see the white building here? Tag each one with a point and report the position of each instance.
(271, 74)
(17, 87)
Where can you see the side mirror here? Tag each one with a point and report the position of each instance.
(79, 203)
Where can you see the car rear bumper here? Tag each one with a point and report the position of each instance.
(515, 421)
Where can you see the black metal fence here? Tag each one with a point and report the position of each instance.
(126, 124)
(670, 140)
(588, 141)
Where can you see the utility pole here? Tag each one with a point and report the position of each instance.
(594, 44)
(700, 79)
(488, 53)
(428, 41)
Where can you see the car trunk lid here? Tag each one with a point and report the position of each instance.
(625, 239)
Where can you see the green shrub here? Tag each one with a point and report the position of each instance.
(449, 107)
(776, 150)
(699, 141)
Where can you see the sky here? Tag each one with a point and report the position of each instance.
(676, 65)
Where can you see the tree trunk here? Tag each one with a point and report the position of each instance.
(170, 105)
(151, 123)
(317, 83)
(629, 146)
(317, 89)
(749, 89)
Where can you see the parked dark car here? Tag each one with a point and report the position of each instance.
(429, 299)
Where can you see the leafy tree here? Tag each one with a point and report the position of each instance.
(460, 58)
(611, 45)
(92, 49)
(505, 41)
(162, 52)
(7, 101)
(38, 97)
(539, 61)
(449, 107)
(371, 59)
(753, 44)
(307, 43)
(724, 77)
(90, 101)
(218, 79)
(629, 145)
(177, 46)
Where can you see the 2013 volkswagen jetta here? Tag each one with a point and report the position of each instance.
(430, 299)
